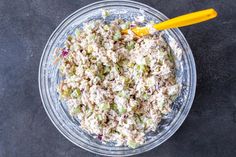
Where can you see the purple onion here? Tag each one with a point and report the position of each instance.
(64, 53)
(100, 137)
(157, 87)
(132, 25)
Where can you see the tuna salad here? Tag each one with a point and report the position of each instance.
(119, 86)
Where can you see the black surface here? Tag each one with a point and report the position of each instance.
(25, 129)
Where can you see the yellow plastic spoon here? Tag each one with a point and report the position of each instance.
(180, 21)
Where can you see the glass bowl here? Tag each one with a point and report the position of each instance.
(49, 78)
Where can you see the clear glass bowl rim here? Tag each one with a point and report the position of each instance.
(184, 111)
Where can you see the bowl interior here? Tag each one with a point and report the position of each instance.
(49, 78)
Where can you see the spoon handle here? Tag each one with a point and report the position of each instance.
(187, 19)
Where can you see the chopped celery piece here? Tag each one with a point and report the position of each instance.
(132, 144)
(124, 94)
(130, 45)
(72, 70)
(104, 106)
(76, 93)
(122, 79)
(125, 25)
(121, 94)
(114, 106)
(92, 37)
(101, 76)
(90, 49)
(141, 68)
(161, 54)
(106, 27)
(145, 96)
(122, 109)
(161, 103)
(149, 122)
(117, 36)
(69, 38)
(107, 69)
(128, 81)
(99, 117)
(77, 32)
(131, 64)
(67, 92)
(93, 58)
(75, 47)
(76, 110)
(152, 22)
(171, 57)
(105, 13)
(117, 67)
(62, 67)
(128, 24)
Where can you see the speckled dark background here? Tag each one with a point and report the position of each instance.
(25, 129)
